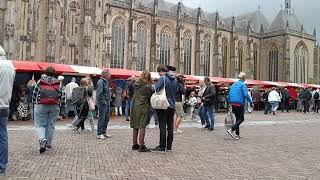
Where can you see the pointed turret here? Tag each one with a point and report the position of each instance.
(217, 20)
(261, 29)
(233, 24)
(199, 15)
(302, 28)
(314, 33)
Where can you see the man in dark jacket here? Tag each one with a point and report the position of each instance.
(103, 102)
(165, 116)
(285, 99)
(128, 95)
(306, 97)
(208, 103)
(179, 103)
(266, 102)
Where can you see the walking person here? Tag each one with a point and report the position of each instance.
(118, 101)
(128, 95)
(266, 102)
(179, 103)
(285, 100)
(69, 88)
(7, 75)
(237, 97)
(201, 110)
(30, 87)
(141, 106)
(316, 101)
(274, 99)
(208, 100)
(192, 102)
(82, 106)
(90, 89)
(47, 99)
(165, 116)
(103, 98)
(305, 98)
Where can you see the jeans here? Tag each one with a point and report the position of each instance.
(202, 115)
(306, 105)
(4, 113)
(166, 124)
(274, 106)
(209, 113)
(239, 113)
(128, 107)
(266, 107)
(45, 117)
(103, 121)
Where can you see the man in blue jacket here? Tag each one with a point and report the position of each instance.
(237, 97)
(165, 116)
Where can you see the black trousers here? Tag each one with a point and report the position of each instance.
(82, 114)
(316, 106)
(285, 105)
(239, 113)
(166, 121)
(306, 105)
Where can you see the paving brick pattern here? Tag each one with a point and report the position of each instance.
(290, 150)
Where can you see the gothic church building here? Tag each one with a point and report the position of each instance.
(140, 34)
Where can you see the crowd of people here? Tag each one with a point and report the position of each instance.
(47, 100)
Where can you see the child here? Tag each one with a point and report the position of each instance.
(192, 102)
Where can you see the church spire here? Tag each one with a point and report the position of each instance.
(287, 4)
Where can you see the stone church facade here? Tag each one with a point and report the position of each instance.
(140, 34)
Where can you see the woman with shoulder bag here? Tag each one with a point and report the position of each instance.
(82, 108)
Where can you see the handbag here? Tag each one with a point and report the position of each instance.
(91, 104)
(230, 119)
(159, 99)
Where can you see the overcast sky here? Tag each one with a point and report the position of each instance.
(308, 11)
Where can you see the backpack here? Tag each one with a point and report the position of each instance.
(78, 96)
(49, 92)
(316, 96)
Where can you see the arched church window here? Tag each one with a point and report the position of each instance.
(273, 62)
(118, 43)
(301, 64)
(255, 61)
(240, 55)
(141, 46)
(224, 57)
(165, 43)
(206, 55)
(187, 45)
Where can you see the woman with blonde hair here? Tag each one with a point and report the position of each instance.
(140, 116)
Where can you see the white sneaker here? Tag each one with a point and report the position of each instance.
(204, 126)
(70, 126)
(179, 131)
(107, 136)
(101, 136)
(199, 121)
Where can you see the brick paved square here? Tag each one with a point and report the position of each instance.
(285, 146)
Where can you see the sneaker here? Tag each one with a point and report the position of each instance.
(101, 136)
(238, 136)
(135, 147)
(179, 131)
(210, 129)
(107, 136)
(49, 148)
(82, 131)
(168, 148)
(70, 126)
(158, 148)
(77, 130)
(2, 171)
(128, 120)
(230, 132)
(43, 144)
(199, 121)
(143, 148)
